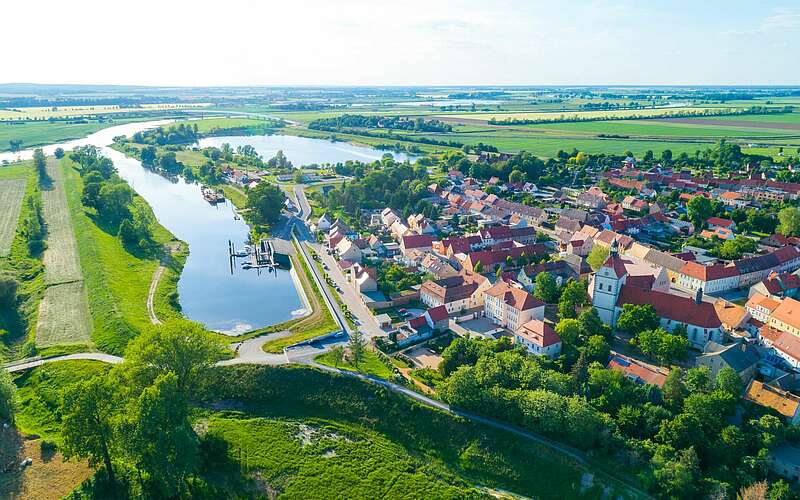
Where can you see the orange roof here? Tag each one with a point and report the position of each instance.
(515, 297)
(767, 303)
(730, 195)
(730, 314)
(788, 312)
(539, 333)
(779, 400)
(637, 370)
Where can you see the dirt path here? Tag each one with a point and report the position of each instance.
(153, 287)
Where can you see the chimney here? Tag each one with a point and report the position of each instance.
(698, 297)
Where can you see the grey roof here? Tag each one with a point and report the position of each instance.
(739, 356)
(664, 259)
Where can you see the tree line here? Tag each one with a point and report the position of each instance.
(376, 121)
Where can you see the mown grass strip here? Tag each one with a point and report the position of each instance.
(64, 317)
(11, 194)
(61, 263)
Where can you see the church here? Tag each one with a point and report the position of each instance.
(612, 288)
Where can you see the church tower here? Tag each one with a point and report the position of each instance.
(608, 281)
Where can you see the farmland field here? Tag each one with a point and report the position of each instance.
(677, 127)
(40, 133)
(61, 261)
(11, 194)
(44, 113)
(557, 115)
(64, 316)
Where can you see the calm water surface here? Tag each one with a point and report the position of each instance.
(303, 150)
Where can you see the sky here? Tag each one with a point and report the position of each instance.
(401, 42)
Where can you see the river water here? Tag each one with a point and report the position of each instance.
(208, 292)
(303, 150)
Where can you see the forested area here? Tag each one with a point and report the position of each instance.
(377, 121)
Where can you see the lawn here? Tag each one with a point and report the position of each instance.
(118, 281)
(12, 192)
(61, 262)
(38, 394)
(64, 317)
(371, 364)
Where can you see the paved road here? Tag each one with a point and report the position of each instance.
(96, 356)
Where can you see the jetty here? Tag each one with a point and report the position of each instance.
(212, 196)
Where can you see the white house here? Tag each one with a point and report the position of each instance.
(538, 338)
(511, 307)
(348, 250)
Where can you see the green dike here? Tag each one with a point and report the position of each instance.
(405, 447)
(38, 393)
(19, 323)
(371, 364)
(118, 281)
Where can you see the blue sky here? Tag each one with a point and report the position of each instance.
(408, 42)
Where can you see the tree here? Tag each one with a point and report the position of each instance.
(40, 163)
(58, 153)
(597, 257)
(636, 318)
(736, 247)
(591, 324)
(148, 155)
(180, 347)
(114, 199)
(478, 267)
(357, 345)
(569, 330)
(516, 177)
(729, 381)
(266, 200)
(673, 388)
(789, 221)
(677, 477)
(573, 295)
(597, 348)
(157, 436)
(698, 379)
(87, 414)
(662, 345)
(699, 210)
(337, 354)
(8, 397)
(545, 288)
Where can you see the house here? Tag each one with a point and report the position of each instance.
(365, 279)
(324, 222)
(560, 269)
(734, 317)
(610, 292)
(740, 356)
(761, 307)
(510, 307)
(784, 402)
(786, 317)
(733, 199)
(777, 286)
(437, 318)
(719, 222)
(437, 266)
(720, 232)
(419, 224)
(783, 348)
(389, 217)
(711, 279)
(414, 330)
(421, 242)
(635, 204)
(538, 338)
(457, 293)
(398, 229)
(346, 249)
(638, 371)
(490, 259)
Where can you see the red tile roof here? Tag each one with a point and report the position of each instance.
(438, 313)
(719, 221)
(515, 297)
(539, 333)
(674, 307)
(638, 371)
(417, 241)
(708, 273)
(616, 264)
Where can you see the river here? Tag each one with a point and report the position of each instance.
(304, 150)
(208, 292)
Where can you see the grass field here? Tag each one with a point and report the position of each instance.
(318, 458)
(11, 194)
(61, 263)
(39, 133)
(44, 113)
(371, 364)
(117, 281)
(659, 128)
(212, 125)
(64, 317)
(428, 448)
(558, 115)
(38, 394)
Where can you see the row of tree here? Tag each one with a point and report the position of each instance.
(376, 121)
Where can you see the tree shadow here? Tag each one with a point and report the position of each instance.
(11, 480)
